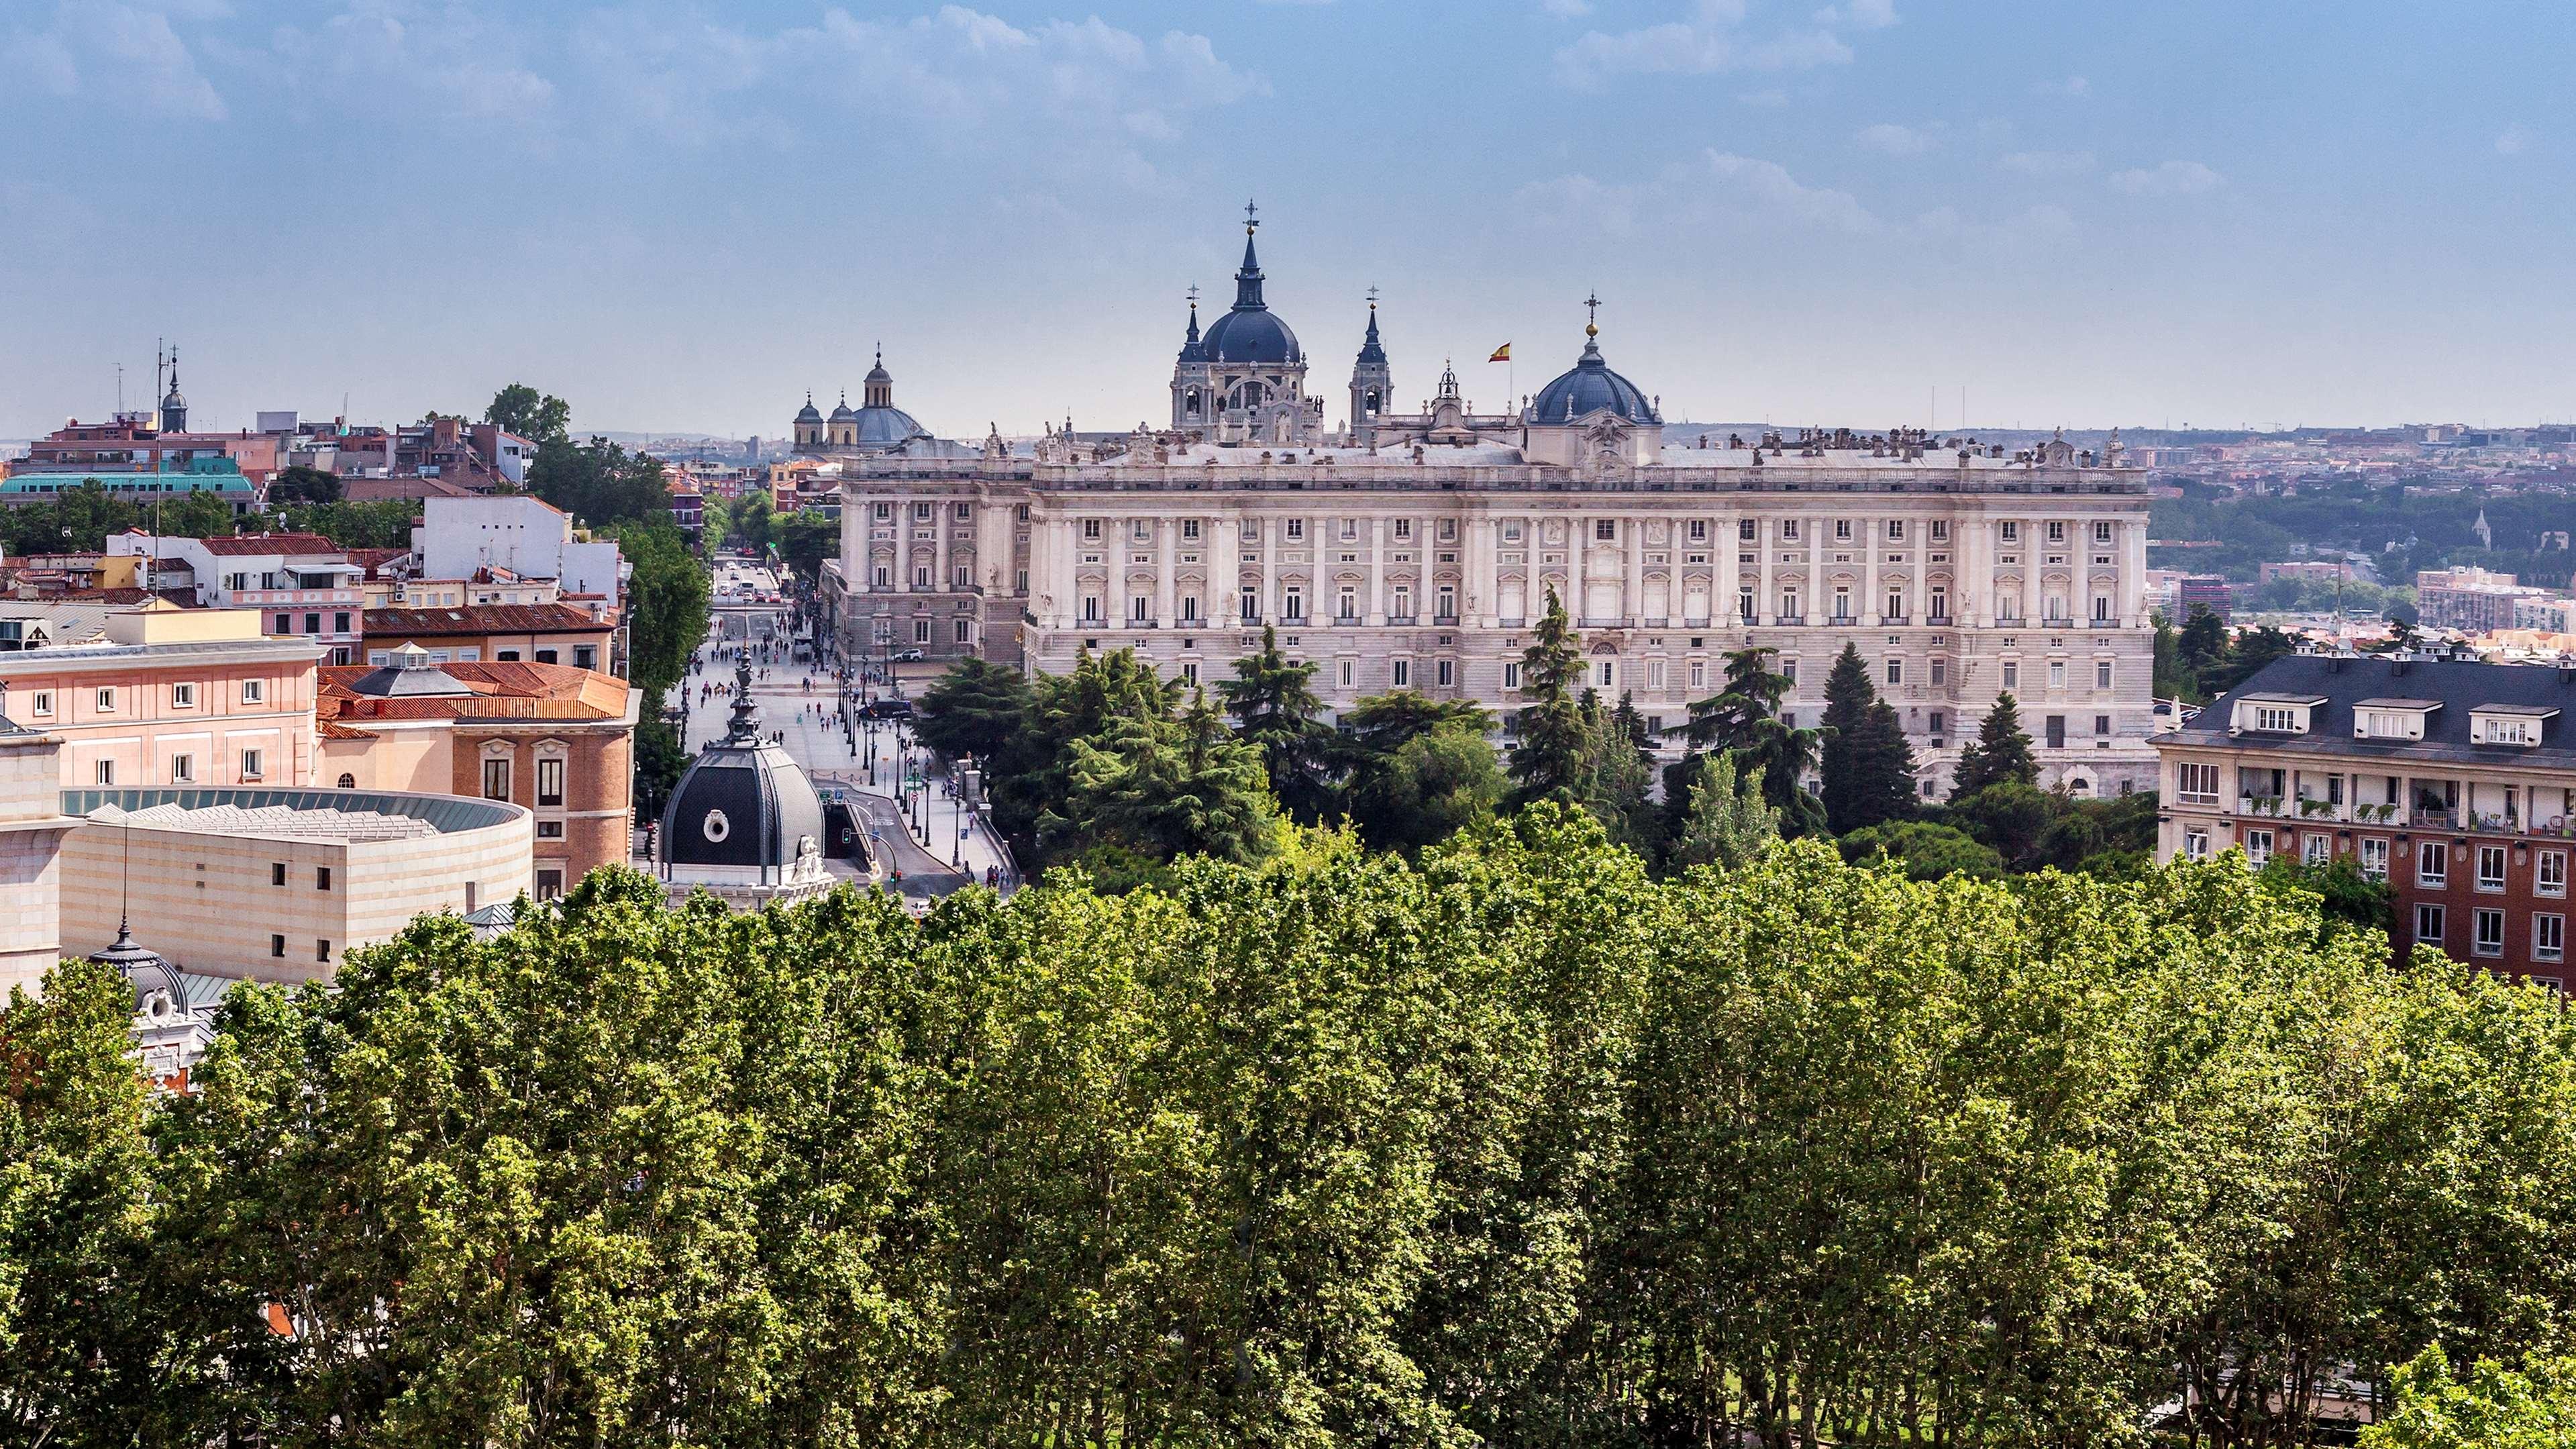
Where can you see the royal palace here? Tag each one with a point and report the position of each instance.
(1416, 550)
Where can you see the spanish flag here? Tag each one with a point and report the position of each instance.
(1501, 354)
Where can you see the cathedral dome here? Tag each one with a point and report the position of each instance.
(1251, 335)
(1256, 337)
(841, 414)
(744, 804)
(807, 414)
(887, 425)
(1588, 389)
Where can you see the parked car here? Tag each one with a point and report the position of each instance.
(907, 656)
(886, 709)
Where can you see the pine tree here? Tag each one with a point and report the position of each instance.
(1622, 770)
(1555, 739)
(1999, 753)
(1727, 822)
(1275, 710)
(1744, 719)
(1868, 767)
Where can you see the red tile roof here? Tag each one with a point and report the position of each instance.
(284, 543)
(502, 690)
(476, 619)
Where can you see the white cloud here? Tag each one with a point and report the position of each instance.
(1580, 203)
(448, 56)
(1082, 99)
(2036, 226)
(2512, 141)
(2074, 85)
(2173, 178)
(2049, 163)
(1707, 41)
(1859, 14)
(1566, 9)
(109, 49)
(1892, 140)
(1770, 184)
(1718, 188)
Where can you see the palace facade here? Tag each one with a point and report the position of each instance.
(1416, 551)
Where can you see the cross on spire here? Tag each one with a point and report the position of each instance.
(1194, 296)
(1592, 315)
(1251, 217)
(1372, 299)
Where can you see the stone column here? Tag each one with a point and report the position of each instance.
(1578, 567)
(1814, 529)
(1766, 600)
(1869, 601)
(1274, 593)
(858, 526)
(1377, 573)
(1635, 528)
(1919, 553)
(943, 513)
(1225, 574)
(1167, 533)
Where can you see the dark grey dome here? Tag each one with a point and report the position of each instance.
(807, 414)
(1588, 389)
(841, 414)
(157, 991)
(1252, 337)
(744, 803)
(1250, 334)
(888, 425)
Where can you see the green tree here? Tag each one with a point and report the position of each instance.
(2203, 641)
(2174, 679)
(2252, 649)
(982, 709)
(1926, 851)
(600, 483)
(2487, 1407)
(1999, 754)
(667, 595)
(76, 1349)
(383, 524)
(1160, 788)
(1866, 764)
(805, 539)
(541, 419)
(1417, 770)
(1728, 822)
(1276, 711)
(1744, 718)
(750, 525)
(1555, 740)
(299, 484)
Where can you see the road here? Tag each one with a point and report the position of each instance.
(797, 704)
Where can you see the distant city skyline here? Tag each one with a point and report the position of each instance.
(681, 218)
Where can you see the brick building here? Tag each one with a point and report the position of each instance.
(555, 739)
(2453, 782)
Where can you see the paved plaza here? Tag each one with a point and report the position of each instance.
(798, 705)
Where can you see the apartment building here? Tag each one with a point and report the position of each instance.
(2455, 783)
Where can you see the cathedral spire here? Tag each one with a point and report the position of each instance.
(1371, 350)
(1247, 282)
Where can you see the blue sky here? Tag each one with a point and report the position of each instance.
(682, 216)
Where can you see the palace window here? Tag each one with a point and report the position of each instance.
(496, 779)
(2374, 859)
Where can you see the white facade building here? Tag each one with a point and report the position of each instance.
(1958, 573)
(524, 536)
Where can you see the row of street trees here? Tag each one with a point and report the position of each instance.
(1512, 1145)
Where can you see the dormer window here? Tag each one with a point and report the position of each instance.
(2392, 719)
(2514, 725)
(2276, 714)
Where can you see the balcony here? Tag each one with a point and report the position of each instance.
(1444, 621)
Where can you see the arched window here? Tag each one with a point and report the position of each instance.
(1248, 394)
(348, 782)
